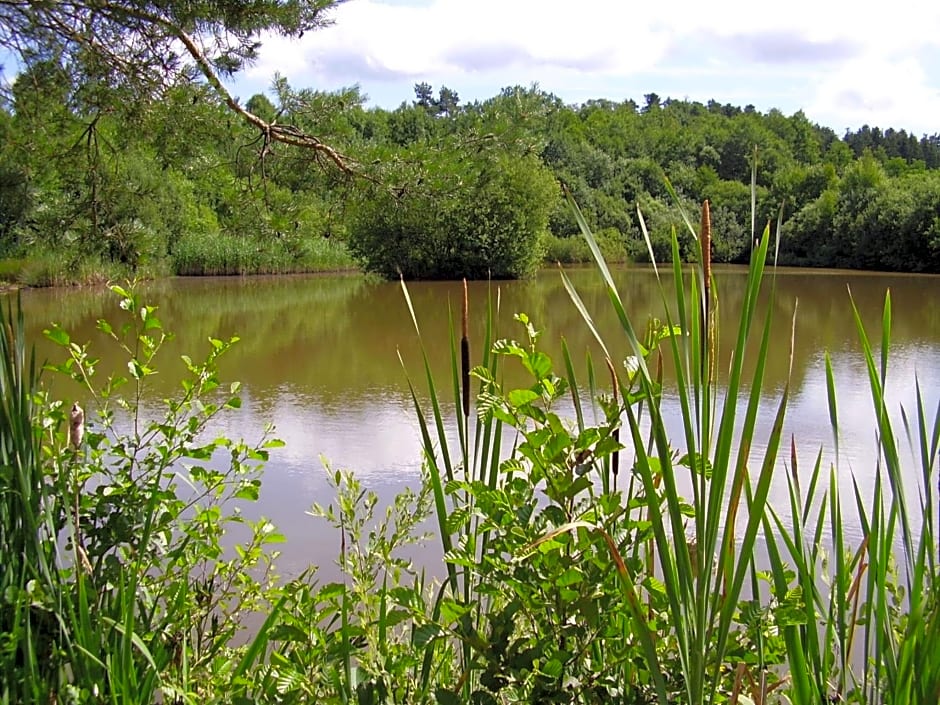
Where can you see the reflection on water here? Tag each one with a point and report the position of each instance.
(318, 358)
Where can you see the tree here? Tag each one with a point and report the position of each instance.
(140, 48)
(447, 102)
(262, 106)
(424, 96)
(460, 212)
(652, 102)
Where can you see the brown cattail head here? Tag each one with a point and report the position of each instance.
(76, 425)
(707, 243)
(466, 311)
(615, 463)
(465, 353)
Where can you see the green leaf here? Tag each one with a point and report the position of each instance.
(538, 363)
(553, 668)
(57, 336)
(249, 491)
(451, 610)
(425, 633)
(330, 591)
(521, 397)
(572, 576)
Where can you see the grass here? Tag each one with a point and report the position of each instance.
(10, 269)
(589, 556)
(689, 602)
(218, 254)
(198, 254)
(575, 250)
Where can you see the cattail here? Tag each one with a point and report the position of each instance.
(707, 246)
(76, 426)
(707, 339)
(465, 352)
(615, 463)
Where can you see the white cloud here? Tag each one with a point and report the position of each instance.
(824, 57)
(895, 93)
(452, 35)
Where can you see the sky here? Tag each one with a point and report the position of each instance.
(843, 64)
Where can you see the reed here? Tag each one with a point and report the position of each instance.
(857, 624)
(869, 632)
(589, 555)
(696, 544)
(27, 551)
(688, 616)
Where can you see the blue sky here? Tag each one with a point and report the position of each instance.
(843, 64)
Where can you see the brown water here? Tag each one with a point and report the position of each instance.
(318, 358)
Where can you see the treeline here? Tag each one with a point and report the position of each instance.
(91, 184)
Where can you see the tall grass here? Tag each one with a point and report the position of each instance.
(27, 551)
(683, 523)
(206, 254)
(589, 555)
(704, 545)
(871, 630)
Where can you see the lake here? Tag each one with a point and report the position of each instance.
(318, 358)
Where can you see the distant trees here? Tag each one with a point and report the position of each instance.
(895, 144)
(101, 170)
(445, 105)
(868, 220)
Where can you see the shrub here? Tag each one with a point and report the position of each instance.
(116, 585)
(456, 215)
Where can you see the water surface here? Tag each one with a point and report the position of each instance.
(319, 358)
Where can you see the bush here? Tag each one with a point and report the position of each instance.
(115, 580)
(455, 216)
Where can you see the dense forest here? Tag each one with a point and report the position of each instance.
(93, 183)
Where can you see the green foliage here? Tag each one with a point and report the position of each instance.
(448, 189)
(10, 269)
(590, 555)
(868, 220)
(118, 585)
(219, 254)
(137, 52)
(566, 579)
(573, 250)
(61, 269)
(458, 213)
(662, 222)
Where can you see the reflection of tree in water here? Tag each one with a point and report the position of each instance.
(336, 337)
(272, 316)
(71, 308)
